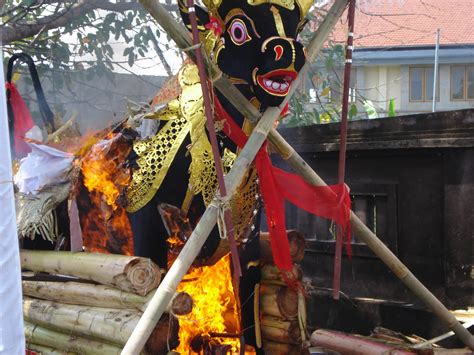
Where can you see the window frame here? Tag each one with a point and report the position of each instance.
(359, 249)
(423, 83)
(465, 86)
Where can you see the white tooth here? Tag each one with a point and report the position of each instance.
(284, 86)
(275, 86)
(268, 83)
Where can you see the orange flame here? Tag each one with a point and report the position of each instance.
(215, 308)
(106, 227)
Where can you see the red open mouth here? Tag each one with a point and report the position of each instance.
(277, 82)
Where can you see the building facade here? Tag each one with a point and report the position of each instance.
(394, 56)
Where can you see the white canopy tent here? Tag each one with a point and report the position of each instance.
(12, 339)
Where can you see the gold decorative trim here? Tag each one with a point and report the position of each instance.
(288, 4)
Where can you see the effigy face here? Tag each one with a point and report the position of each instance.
(257, 43)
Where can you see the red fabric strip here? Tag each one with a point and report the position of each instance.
(276, 185)
(22, 121)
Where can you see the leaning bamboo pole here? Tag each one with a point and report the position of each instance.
(180, 35)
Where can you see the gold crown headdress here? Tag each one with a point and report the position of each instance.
(304, 5)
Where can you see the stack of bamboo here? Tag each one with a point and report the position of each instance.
(97, 311)
(282, 309)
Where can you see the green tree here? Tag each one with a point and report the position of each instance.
(71, 36)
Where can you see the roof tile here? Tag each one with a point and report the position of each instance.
(395, 23)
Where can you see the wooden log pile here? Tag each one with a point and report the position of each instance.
(282, 309)
(96, 312)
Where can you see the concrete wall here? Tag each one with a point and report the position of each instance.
(99, 102)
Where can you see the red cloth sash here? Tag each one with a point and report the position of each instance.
(22, 121)
(276, 185)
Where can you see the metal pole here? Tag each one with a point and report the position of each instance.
(435, 75)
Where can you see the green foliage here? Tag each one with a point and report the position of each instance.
(370, 109)
(391, 108)
(84, 46)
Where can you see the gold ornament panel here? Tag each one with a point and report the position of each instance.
(183, 116)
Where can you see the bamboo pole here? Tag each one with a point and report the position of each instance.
(193, 246)
(47, 337)
(47, 350)
(127, 273)
(113, 326)
(83, 294)
(179, 34)
(352, 344)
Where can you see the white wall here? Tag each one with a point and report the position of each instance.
(443, 104)
(380, 83)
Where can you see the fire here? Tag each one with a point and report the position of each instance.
(106, 227)
(215, 307)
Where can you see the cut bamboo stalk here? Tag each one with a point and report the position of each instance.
(278, 301)
(110, 325)
(127, 273)
(191, 249)
(274, 348)
(351, 344)
(272, 275)
(47, 350)
(279, 330)
(85, 294)
(179, 34)
(66, 342)
(297, 246)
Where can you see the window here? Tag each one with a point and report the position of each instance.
(376, 206)
(462, 83)
(421, 84)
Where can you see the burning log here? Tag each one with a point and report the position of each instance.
(279, 330)
(278, 301)
(180, 305)
(66, 342)
(127, 273)
(297, 246)
(110, 325)
(99, 296)
(271, 274)
(274, 348)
